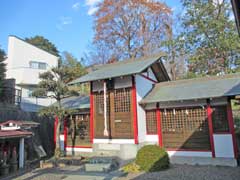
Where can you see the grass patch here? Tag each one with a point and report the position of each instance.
(131, 168)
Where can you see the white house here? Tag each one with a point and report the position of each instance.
(24, 63)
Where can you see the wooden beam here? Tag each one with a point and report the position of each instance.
(148, 78)
(91, 114)
(236, 11)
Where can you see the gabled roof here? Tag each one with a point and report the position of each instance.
(20, 123)
(192, 89)
(76, 102)
(236, 10)
(123, 68)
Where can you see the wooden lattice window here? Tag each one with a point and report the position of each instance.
(184, 119)
(220, 119)
(122, 99)
(99, 99)
(151, 122)
(185, 128)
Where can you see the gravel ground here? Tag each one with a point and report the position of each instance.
(176, 172)
(187, 172)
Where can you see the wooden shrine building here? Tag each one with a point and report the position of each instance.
(133, 103)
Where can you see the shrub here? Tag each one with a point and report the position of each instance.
(152, 158)
(131, 168)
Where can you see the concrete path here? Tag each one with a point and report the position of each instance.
(67, 173)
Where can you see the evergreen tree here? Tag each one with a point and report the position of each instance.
(52, 85)
(211, 38)
(43, 44)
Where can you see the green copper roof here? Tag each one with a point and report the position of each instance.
(76, 102)
(122, 68)
(199, 88)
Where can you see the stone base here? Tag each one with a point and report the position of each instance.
(97, 167)
(204, 161)
(101, 164)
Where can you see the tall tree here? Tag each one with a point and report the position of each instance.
(2, 68)
(212, 42)
(174, 46)
(130, 28)
(44, 44)
(52, 85)
(73, 67)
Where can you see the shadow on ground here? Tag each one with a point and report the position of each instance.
(68, 173)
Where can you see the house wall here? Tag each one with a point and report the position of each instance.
(143, 86)
(20, 54)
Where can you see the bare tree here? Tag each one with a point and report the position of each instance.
(130, 28)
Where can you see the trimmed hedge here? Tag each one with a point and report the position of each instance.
(152, 158)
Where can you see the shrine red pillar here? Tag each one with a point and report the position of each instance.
(159, 127)
(210, 127)
(134, 105)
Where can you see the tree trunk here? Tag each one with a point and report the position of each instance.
(58, 143)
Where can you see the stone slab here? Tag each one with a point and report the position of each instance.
(204, 161)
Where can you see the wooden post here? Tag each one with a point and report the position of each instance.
(91, 114)
(210, 126)
(134, 105)
(231, 128)
(159, 126)
(105, 131)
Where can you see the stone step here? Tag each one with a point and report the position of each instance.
(101, 164)
(106, 153)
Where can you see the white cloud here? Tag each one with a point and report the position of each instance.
(92, 10)
(92, 2)
(64, 21)
(76, 6)
(92, 6)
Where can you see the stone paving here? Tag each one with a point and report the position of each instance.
(176, 172)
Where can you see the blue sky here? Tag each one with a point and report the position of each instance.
(66, 23)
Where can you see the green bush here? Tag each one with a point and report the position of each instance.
(152, 158)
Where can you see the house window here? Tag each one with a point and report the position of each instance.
(151, 122)
(37, 65)
(30, 92)
(220, 119)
